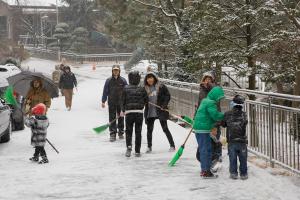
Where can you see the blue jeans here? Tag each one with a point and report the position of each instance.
(237, 150)
(204, 145)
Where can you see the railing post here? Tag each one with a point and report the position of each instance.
(271, 139)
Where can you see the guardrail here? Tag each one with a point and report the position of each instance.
(53, 54)
(273, 130)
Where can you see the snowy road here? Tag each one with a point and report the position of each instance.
(89, 167)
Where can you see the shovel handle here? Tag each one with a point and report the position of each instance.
(186, 139)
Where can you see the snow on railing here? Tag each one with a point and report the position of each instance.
(273, 130)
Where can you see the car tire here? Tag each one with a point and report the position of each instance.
(6, 136)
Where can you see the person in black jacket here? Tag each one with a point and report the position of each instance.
(112, 93)
(236, 122)
(67, 82)
(159, 95)
(134, 99)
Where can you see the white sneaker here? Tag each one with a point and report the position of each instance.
(172, 149)
(149, 150)
(68, 108)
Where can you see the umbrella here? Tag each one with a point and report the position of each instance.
(22, 81)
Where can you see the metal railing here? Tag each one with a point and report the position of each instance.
(53, 54)
(273, 130)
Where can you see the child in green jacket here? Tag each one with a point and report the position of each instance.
(205, 120)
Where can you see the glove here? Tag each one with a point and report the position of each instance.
(122, 114)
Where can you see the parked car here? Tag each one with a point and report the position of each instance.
(5, 122)
(17, 116)
(8, 70)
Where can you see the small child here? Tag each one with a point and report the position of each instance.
(38, 123)
(134, 99)
(204, 124)
(236, 121)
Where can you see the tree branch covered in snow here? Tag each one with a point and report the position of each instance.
(295, 21)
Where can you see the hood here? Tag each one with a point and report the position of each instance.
(116, 67)
(153, 75)
(41, 83)
(134, 78)
(208, 74)
(216, 94)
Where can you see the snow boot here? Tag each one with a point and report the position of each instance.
(34, 159)
(137, 154)
(244, 177)
(121, 135)
(44, 160)
(233, 176)
(172, 149)
(149, 150)
(128, 152)
(113, 137)
(209, 175)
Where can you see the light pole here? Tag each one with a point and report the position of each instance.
(58, 52)
(44, 18)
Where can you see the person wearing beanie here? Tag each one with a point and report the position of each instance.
(134, 99)
(38, 122)
(236, 122)
(112, 93)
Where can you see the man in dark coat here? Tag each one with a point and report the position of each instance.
(67, 82)
(134, 99)
(159, 95)
(112, 93)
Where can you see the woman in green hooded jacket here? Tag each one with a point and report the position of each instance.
(205, 120)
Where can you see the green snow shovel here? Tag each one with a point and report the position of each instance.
(183, 118)
(180, 151)
(102, 128)
(9, 96)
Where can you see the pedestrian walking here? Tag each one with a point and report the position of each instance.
(67, 82)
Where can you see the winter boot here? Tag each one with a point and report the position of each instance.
(34, 159)
(44, 160)
(138, 154)
(121, 135)
(233, 176)
(209, 175)
(149, 150)
(172, 149)
(128, 152)
(113, 137)
(244, 177)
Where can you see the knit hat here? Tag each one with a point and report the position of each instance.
(39, 109)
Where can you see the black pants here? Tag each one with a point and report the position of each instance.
(40, 151)
(164, 126)
(135, 119)
(113, 111)
(217, 147)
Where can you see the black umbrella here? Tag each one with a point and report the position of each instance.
(22, 82)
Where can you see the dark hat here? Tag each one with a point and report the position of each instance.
(238, 99)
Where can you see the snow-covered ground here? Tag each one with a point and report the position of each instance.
(90, 167)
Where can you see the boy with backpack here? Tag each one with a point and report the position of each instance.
(38, 122)
(134, 99)
(236, 122)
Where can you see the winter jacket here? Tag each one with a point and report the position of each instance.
(163, 97)
(207, 114)
(67, 81)
(236, 122)
(134, 99)
(36, 96)
(38, 125)
(113, 90)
